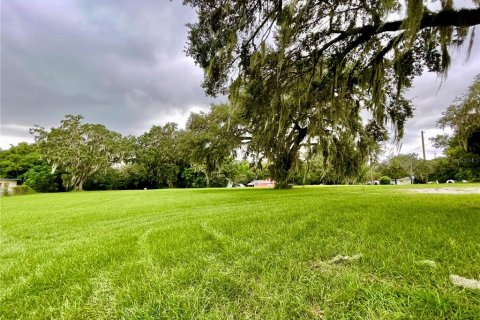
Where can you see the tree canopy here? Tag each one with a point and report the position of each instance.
(17, 160)
(331, 73)
(462, 147)
(463, 116)
(158, 154)
(211, 139)
(79, 149)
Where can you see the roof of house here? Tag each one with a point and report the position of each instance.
(3, 179)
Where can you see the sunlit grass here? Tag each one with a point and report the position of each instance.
(239, 254)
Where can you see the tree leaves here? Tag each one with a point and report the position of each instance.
(80, 150)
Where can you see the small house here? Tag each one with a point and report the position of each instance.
(7, 185)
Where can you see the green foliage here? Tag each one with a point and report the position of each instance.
(423, 170)
(211, 138)
(246, 171)
(41, 179)
(80, 150)
(194, 178)
(406, 165)
(22, 190)
(385, 180)
(24, 162)
(17, 160)
(395, 169)
(464, 118)
(463, 147)
(440, 141)
(110, 179)
(239, 254)
(304, 72)
(158, 153)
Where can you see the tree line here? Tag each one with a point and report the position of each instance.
(313, 87)
(216, 148)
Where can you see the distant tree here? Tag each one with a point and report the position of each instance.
(17, 160)
(443, 169)
(24, 162)
(79, 149)
(440, 141)
(158, 154)
(403, 165)
(130, 176)
(463, 116)
(211, 139)
(422, 171)
(41, 179)
(462, 148)
(395, 169)
(246, 171)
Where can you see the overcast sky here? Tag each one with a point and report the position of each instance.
(122, 64)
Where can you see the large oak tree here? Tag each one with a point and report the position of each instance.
(305, 71)
(79, 149)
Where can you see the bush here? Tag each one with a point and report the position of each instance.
(40, 179)
(23, 189)
(384, 180)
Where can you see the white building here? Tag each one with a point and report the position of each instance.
(7, 185)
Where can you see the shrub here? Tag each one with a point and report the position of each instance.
(23, 189)
(40, 179)
(384, 180)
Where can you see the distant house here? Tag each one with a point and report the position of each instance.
(261, 184)
(7, 185)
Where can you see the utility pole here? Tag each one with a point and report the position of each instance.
(424, 157)
(411, 172)
(423, 147)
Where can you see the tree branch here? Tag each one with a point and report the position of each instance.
(444, 18)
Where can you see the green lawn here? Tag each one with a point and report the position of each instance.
(239, 254)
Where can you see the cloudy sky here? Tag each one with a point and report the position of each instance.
(122, 63)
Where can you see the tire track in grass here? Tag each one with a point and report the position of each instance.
(112, 227)
(102, 303)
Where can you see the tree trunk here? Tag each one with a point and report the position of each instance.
(207, 178)
(281, 166)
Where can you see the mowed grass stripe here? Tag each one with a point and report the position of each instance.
(258, 254)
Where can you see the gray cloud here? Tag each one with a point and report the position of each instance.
(432, 95)
(122, 63)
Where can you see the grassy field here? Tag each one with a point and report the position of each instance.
(239, 254)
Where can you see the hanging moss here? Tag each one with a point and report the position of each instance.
(305, 70)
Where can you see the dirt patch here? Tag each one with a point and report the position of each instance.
(450, 190)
